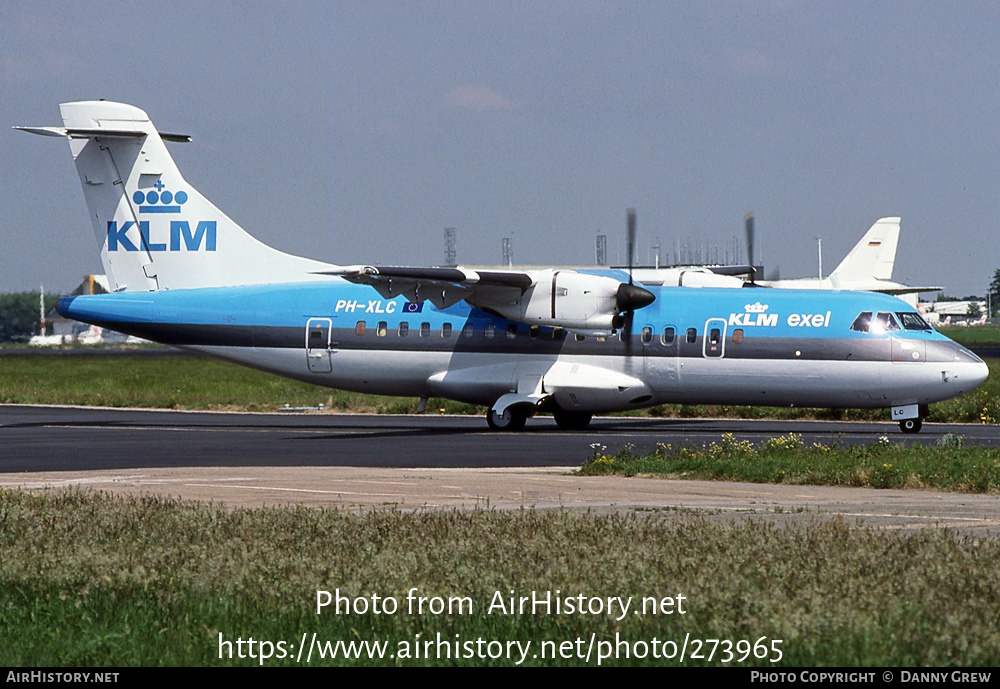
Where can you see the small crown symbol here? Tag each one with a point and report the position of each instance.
(756, 308)
(159, 195)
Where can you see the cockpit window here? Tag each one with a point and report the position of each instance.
(912, 320)
(884, 322)
(862, 322)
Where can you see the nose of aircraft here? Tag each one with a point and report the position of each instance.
(972, 370)
(980, 372)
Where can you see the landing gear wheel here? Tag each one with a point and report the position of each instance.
(510, 420)
(572, 420)
(910, 425)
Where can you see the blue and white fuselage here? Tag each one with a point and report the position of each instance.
(518, 341)
(705, 346)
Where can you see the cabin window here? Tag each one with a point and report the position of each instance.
(558, 334)
(489, 331)
(862, 322)
(425, 329)
(533, 332)
(359, 329)
(884, 322)
(692, 336)
(382, 328)
(446, 330)
(511, 331)
(580, 338)
(668, 335)
(468, 330)
(912, 320)
(647, 335)
(738, 336)
(404, 329)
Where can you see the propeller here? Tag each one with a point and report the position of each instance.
(748, 223)
(631, 296)
(630, 239)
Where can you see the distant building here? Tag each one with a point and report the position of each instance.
(954, 312)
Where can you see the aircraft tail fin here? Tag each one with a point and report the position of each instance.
(872, 257)
(154, 229)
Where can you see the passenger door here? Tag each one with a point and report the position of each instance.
(319, 346)
(715, 338)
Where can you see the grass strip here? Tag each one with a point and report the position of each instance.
(946, 465)
(87, 579)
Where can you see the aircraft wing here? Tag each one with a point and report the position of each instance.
(581, 302)
(441, 286)
(905, 289)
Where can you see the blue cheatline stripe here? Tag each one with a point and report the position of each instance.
(294, 337)
(789, 315)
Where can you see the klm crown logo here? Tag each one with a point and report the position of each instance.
(754, 314)
(141, 235)
(159, 200)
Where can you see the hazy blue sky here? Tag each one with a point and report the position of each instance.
(356, 131)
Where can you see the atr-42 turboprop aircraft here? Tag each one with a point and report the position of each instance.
(569, 342)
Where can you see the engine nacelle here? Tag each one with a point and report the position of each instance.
(691, 276)
(580, 302)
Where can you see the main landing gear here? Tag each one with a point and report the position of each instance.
(512, 419)
(910, 425)
(515, 416)
(572, 420)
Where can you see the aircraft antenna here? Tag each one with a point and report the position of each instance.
(749, 225)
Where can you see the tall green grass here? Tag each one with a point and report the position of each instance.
(87, 579)
(977, 336)
(179, 382)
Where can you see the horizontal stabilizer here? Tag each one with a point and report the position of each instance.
(77, 133)
(906, 289)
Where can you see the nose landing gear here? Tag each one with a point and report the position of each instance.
(910, 417)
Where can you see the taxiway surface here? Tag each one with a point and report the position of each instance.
(415, 462)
